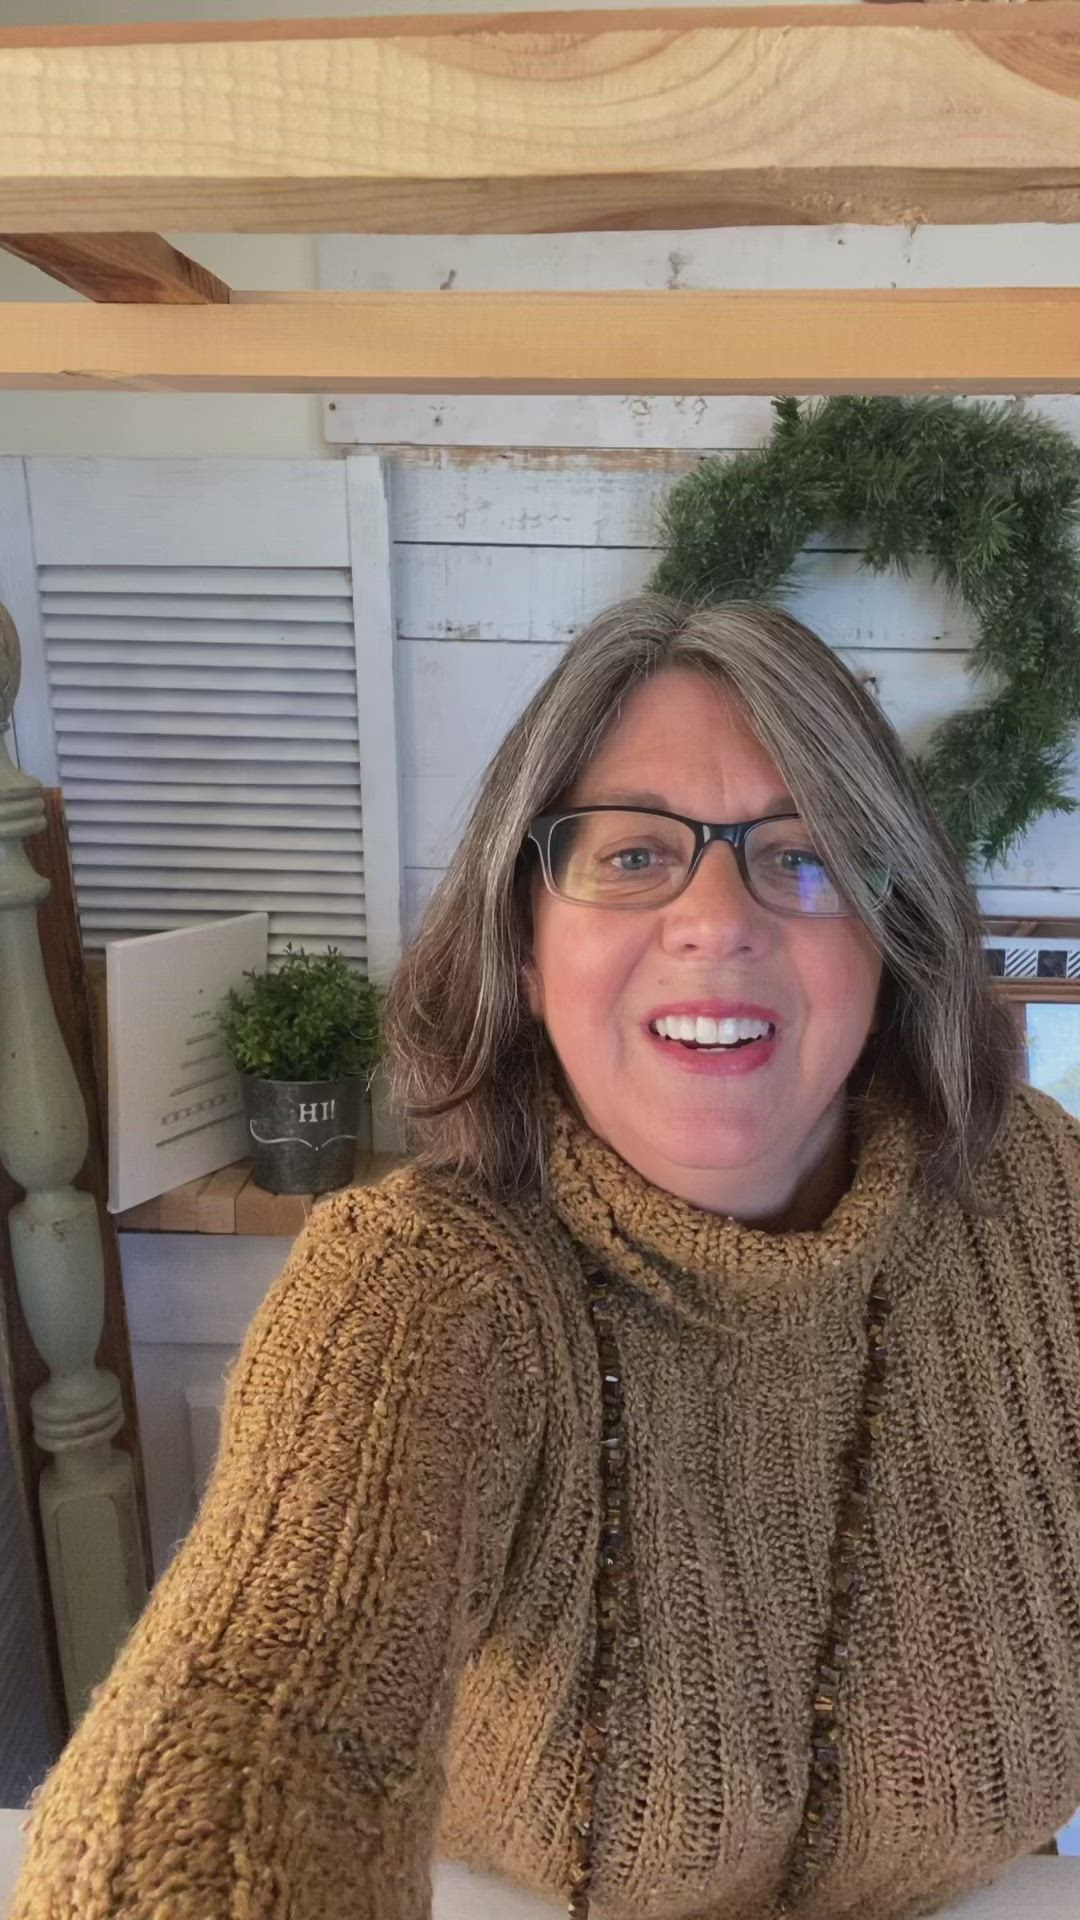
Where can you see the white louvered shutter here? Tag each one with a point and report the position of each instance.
(207, 686)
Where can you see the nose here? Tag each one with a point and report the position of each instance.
(716, 904)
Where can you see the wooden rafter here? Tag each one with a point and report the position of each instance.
(545, 122)
(970, 340)
(120, 267)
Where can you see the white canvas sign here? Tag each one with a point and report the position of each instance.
(175, 1108)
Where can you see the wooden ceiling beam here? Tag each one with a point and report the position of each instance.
(120, 267)
(970, 340)
(655, 118)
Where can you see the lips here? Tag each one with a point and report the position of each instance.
(719, 1062)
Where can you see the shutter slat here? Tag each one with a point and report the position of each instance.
(208, 745)
(187, 632)
(148, 916)
(93, 781)
(126, 680)
(83, 655)
(280, 933)
(245, 713)
(252, 581)
(239, 815)
(275, 842)
(102, 866)
(200, 606)
(102, 888)
(246, 741)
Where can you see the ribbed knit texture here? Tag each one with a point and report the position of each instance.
(373, 1648)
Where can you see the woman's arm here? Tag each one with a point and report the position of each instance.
(269, 1741)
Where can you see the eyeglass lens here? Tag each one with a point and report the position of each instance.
(606, 858)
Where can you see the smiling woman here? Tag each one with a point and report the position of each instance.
(663, 1493)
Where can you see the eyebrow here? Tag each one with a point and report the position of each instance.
(644, 797)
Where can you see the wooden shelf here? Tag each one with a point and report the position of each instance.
(229, 1202)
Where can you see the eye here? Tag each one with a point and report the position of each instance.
(636, 857)
(796, 854)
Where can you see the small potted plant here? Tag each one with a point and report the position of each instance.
(306, 1040)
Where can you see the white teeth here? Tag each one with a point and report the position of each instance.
(707, 1032)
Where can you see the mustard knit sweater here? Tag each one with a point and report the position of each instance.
(373, 1648)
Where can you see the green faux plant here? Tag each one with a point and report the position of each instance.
(316, 1018)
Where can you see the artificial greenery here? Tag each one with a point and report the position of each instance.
(990, 495)
(316, 1018)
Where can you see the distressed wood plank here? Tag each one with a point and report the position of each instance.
(523, 500)
(545, 122)
(541, 594)
(514, 501)
(963, 340)
(752, 258)
(614, 428)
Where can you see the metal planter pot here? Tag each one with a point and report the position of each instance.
(302, 1133)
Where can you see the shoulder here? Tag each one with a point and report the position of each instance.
(1043, 1138)
(1032, 1177)
(427, 1238)
(393, 1289)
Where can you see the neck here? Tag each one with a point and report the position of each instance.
(798, 1201)
(816, 1194)
(813, 1249)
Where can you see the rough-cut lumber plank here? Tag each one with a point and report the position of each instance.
(802, 115)
(119, 266)
(178, 1210)
(216, 1210)
(229, 1202)
(276, 1213)
(962, 340)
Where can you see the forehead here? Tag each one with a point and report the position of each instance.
(679, 741)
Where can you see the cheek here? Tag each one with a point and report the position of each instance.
(581, 966)
(842, 976)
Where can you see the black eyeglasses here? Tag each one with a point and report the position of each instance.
(611, 856)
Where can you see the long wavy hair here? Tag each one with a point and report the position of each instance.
(465, 1061)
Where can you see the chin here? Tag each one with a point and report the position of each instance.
(704, 1138)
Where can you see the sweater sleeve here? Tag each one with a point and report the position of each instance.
(269, 1743)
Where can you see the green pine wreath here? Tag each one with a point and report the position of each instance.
(990, 495)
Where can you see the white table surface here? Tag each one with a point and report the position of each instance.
(1038, 1885)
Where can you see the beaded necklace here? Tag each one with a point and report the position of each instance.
(816, 1839)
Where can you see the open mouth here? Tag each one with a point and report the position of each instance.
(714, 1046)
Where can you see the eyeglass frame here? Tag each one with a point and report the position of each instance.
(705, 832)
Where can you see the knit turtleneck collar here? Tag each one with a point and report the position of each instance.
(712, 1270)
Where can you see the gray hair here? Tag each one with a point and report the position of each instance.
(465, 1060)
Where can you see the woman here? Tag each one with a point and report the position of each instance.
(664, 1493)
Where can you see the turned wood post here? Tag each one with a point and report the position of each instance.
(86, 1496)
